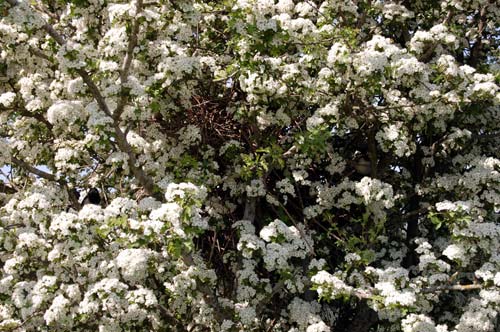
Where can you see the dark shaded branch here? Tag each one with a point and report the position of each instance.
(250, 207)
(364, 318)
(478, 43)
(6, 189)
(412, 230)
(372, 153)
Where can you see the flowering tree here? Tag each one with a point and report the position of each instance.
(263, 165)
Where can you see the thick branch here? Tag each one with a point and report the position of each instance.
(94, 90)
(250, 207)
(476, 48)
(132, 43)
(469, 287)
(51, 177)
(412, 230)
(34, 170)
(372, 153)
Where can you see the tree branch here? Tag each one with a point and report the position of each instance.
(132, 43)
(250, 206)
(51, 177)
(34, 170)
(476, 48)
(372, 153)
(469, 287)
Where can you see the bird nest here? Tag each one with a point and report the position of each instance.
(217, 125)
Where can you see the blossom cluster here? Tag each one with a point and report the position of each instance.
(262, 165)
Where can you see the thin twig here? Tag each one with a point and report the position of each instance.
(301, 231)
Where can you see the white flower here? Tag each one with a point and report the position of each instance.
(392, 132)
(7, 98)
(496, 279)
(352, 257)
(133, 264)
(329, 285)
(285, 6)
(167, 212)
(454, 251)
(256, 188)
(182, 190)
(418, 323)
(318, 327)
(65, 112)
(338, 53)
(138, 142)
(247, 313)
(445, 206)
(393, 296)
(226, 325)
(57, 312)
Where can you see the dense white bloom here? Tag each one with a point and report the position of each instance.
(7, 98)
(57, 311)
(167, 212)
(393, 296)
(133, 264)
(65, 112)
(454, 252)
(329, 286)
(246, 313)
(285, 6)
(418, 323)
(318, 327)
(338, 54)
(231, 144)
(373, 190)
(182, 190)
